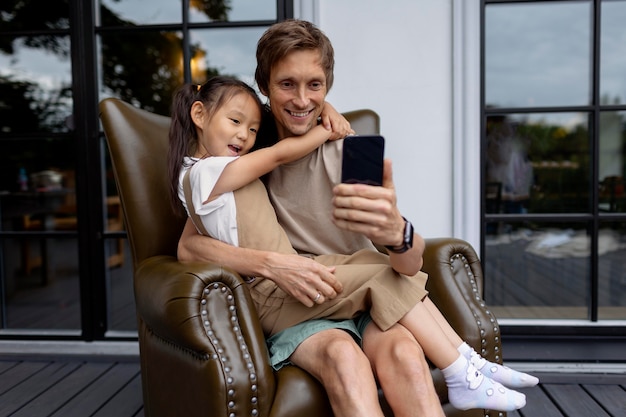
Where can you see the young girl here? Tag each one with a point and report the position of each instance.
(213, 128)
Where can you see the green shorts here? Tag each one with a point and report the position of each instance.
(282, 345)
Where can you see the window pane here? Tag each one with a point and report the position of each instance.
(612, 161)
(538, 163)
(34, 15)
(35, 84)
(121, 309)
(36, 183)
(142, 68)
(224, 51)
(233, 11)
(612, 272)
(613, 58)
(137, 12)
(41, 288)
(538, 271)
(537, 54)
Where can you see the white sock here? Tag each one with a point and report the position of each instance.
(468, 388)
(502, 374)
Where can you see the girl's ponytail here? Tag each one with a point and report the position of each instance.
(182, 137)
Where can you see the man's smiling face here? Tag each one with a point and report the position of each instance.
(297, 90)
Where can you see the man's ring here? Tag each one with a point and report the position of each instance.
(317, 297)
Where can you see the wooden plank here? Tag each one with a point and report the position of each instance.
(29, 389)
(127, 402)
(538, 403)
(574, 400)
(16, 374)
(4, 365)
(612, 398)
(98, 393)
(59, 394)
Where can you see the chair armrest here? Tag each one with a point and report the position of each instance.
(455, 284)
(206, 311)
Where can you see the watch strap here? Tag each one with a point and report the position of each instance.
(407, 242)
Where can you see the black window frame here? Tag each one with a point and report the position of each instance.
(91, 232)
(519, 334)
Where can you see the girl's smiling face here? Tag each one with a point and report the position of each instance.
(231, 130)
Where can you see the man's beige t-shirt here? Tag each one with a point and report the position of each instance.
(301, 193)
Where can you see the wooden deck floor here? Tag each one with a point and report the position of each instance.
(67, 387)
(83, 386)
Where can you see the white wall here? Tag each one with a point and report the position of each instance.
(395, 57)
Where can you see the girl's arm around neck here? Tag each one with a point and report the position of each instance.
(253, 165)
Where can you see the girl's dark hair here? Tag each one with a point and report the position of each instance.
(183, 137)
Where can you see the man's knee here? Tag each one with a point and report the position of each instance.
(330, 351)
(342, 352)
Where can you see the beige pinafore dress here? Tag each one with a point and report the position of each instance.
(369, 282)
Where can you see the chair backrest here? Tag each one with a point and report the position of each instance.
(364, 121)
(138, 144)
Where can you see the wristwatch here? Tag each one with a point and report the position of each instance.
(408, 239)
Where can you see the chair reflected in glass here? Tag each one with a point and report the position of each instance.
(612, 195)
(51, 206)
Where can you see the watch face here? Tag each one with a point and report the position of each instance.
(408, 234)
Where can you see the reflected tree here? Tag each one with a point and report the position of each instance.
(213, 9)
(144, 67)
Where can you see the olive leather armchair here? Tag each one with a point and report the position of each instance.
(202, 350)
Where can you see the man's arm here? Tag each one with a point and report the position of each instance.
(299, 276)
(372, 211)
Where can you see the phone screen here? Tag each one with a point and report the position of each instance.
(362, 160)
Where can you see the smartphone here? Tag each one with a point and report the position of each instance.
(362, 159)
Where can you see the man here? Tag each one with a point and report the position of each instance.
(295, 71)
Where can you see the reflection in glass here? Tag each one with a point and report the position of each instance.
(35, 84)
(225, 51)
(232, 11)
(41, 288)
(119, 272)
(121, 309)
(537, 271)
(612, 272)
(37, 180)
(613, 58)
(142, 68)
(537, 54)
(612, 168)
(34, 15)
(114, 12)
(538, 163)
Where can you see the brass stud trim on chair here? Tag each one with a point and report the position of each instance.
(481, 303)
(219, 355)
(485, 310)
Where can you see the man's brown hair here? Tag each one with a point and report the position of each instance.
(285, 37)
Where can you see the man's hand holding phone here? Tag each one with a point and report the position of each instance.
(365, 201)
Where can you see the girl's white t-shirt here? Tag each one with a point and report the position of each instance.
(219, 216)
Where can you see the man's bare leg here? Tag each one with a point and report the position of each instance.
(335, 359)
(402, 371)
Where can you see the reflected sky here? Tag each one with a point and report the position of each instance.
(613, 61)
(40, 66)
(538, 54)
(230, 51)
(169, 11)
(146, 11)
